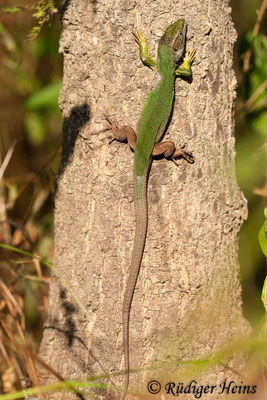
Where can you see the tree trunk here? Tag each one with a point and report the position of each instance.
(187, 303)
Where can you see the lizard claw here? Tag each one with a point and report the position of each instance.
(139, 38)
(108, 119)
(190, 55)
(114, 127)
(112, 124)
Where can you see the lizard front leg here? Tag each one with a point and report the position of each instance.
(186, 69)
(143, 51)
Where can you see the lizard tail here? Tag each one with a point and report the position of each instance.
(137, 254)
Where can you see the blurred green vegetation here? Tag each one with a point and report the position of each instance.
(31, 76)
(251, 144)
(30, 132)
(30, 122)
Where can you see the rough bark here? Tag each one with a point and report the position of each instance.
(187, 303)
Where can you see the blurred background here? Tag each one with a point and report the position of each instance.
(30, 150)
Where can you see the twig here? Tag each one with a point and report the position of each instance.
(254, 33)
(7, 158)
(255, 95)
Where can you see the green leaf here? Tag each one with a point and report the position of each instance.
(34, 32)
(263, 238)
(36, 128)
(10, 10)
(46, 97)
(39, 14)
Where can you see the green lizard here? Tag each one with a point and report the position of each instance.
(152, 125)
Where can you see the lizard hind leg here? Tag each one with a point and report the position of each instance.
(169, 151)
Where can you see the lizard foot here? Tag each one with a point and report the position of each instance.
(139, 38)
(190, 56)
(180, 152)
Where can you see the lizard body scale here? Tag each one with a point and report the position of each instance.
(154, 118)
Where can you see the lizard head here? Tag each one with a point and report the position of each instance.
(174, 37)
